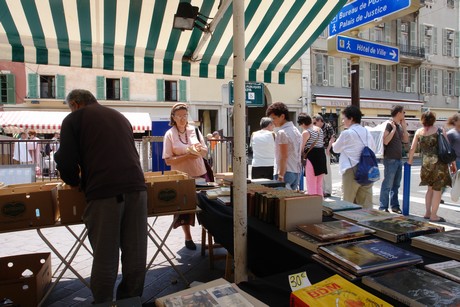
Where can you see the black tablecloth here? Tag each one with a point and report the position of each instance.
(272, 257)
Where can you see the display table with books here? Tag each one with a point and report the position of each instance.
(269, 252)
(272, 257)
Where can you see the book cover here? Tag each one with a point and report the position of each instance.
(218, 292)
(366, 256)
(361, 215)
(334, 267)
(331, 230)
(309, 242)
(447, 242)
(339, 205)
(400, 228)
(334, 291)
(415, 287)
(449, 269)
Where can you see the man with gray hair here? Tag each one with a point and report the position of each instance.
(97, 153)
(263, 150)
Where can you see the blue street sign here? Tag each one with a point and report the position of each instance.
(363, 48)
(360, 12)
(254, 94)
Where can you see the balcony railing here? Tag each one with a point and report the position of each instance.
(407, 50)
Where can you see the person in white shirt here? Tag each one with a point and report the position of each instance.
(263, 150)
(287, 146)
(350, 144)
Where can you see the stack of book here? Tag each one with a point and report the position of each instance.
(218, 292)
(312, 236)
(217, 192)
(415, 287)
(443, 243)
(368, 256)
(331, 205)
(361, 215)
(334, 291)
(449, 269)
(400, 228)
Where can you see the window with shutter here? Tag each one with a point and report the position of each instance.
(171, 90)
(112, 88)
(47, 86)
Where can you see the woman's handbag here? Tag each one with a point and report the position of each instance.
(446, 153)
(455, 191)
(209, 171)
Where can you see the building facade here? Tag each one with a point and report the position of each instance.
(31, 87)
(427, 75)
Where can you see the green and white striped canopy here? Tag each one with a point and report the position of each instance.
(137, 35)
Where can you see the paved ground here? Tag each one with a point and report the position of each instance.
(161, 279)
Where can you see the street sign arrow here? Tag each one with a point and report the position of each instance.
(393, 54)
(344, 46)
(363, 14)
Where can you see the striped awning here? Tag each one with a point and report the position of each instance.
(137, 35)
(49, 122)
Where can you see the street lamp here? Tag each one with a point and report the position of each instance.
(424, 109)
(337, 111)
(323, 110)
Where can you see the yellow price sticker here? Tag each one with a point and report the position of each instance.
(298, 281)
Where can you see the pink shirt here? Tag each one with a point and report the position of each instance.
(173, 146)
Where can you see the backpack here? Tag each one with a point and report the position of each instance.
(368, 169)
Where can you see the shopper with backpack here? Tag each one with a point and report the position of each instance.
(350, 145)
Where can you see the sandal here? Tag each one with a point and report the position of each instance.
(441, 219)
(426, 217)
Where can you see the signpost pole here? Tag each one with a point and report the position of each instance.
(354, 81)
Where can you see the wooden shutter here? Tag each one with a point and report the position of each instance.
(331, 68)
(10, 89)
(399, 86)
(60, 86)
(345, 73)
(32, 80)
(100, 87)
(423, 83)
(388, 75)
(124, 88)
(413, 79)
(160, 90)
(413, 38)
(319, 69)
(457, 84)
(374, 73)
(456, 44)
(434, 72)
(182, 90)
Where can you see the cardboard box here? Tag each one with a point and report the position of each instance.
(295, 211)
(72, 204)
(26, 205)
(24, 278)
(170, 195)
